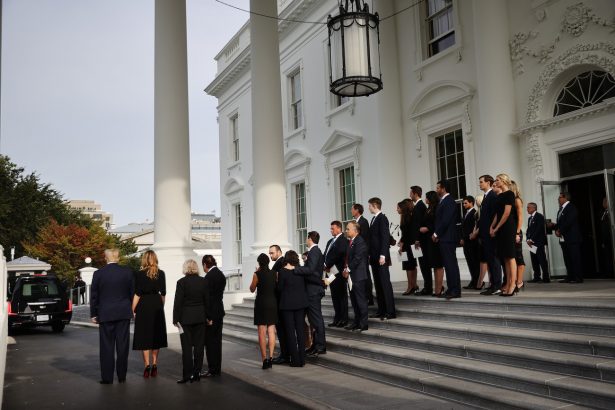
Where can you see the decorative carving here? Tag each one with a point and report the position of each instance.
(579, 54)
(518, 50)
(357, 162)
(419, 75)
(577, 16)
(541, 15)
(534, 154)
(419, 144)
(467, 121)
(327, 166)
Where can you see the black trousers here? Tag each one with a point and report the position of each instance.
(294, 323)
(539, 263)
(359, 303)
(213, 346)
(114, 339)
(493, 263)
(451, 267)
(384, 289)
(339, 296)
(193, 345)
(314, 314)
(572, 260)
(426, 267)
(470, 251)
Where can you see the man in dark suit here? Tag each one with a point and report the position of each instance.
(606, 241)
(470, 246)
(445, 234)
(380, 260)
(417, 217)
(357, 215)
(335, 255)
(487, 211)
(111, 307)
(312, 272)
(216, 282)
(356, 268)
(275, 254)
(536, 235)
(570, 239)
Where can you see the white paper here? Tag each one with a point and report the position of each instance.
(349, 283)
(180, 329)
(404, 256)
(533, 248)
(333, 270)
(417, 252)
(330, 279)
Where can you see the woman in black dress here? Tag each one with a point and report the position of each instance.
(293, 301)
(265, 307)
(404, 209)
(148, 307)
(428, 225)
(518, 212)
(503, 229)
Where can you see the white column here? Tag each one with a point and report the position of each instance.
(497, 149)
(270, 218)
(172, 224)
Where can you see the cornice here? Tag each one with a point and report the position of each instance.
(238, 67)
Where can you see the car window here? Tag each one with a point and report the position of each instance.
(40, 289)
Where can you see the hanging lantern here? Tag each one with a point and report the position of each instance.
(354, 54)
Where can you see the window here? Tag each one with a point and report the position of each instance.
(296, 116)
(237, 211)
(587, 89)
(347, 192)
(451, 164)
(300, 217)
(440, 26)
(235, 137)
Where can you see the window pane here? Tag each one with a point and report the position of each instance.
(460, 164)
(451, 166)
(462, 186)
(450, 144)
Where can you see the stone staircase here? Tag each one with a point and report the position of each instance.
(486, 352)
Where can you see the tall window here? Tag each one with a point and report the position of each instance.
(347, 192)
(451, 165)
(587, 89)
(235, 137)
(440, 26)
(237, 212)
(296, 116)
(300, 217)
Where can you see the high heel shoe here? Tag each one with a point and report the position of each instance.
(512, 293)
(411, 291)
(481, 287)
(439, 293)
(266, 364)
(519, 287)
(154, 371)
(147, 371)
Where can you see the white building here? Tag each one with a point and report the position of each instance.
(477, 87)
(94, 211)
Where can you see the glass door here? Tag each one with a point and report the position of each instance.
(609, 182)
(550, 191)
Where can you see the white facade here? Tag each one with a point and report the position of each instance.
(494, 89)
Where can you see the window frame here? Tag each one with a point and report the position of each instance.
(296, 120)
(237, 233)
(300, 209)
(344, 204)
(427, 28)
(234, 134)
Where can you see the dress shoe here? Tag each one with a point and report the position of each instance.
(333, 324)
(183, 381)
(147, 371)
(487, 292)
(154, 371)
(546, 281)
(121, 380)
(534, 281)
(564, 281)
(210, 374)
(388, 317)
(105, 382)
(317, 353)
(423, 292)
(359, 329)
(279, 360)
(452, 296)
(470, 286)
(351, 327)
(497, 292)
(375, 315)
(195, 377)
(310, 350)
(342, 323)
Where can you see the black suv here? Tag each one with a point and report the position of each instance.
(39, 300)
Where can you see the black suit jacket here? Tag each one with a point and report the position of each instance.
(468, 224)
(312, 272)
(357, 252)
(216, 282)
(536, 230)
(335, 253)
(379, 239)
(293, 295)
(487, 211)
(568, 224)
(191, 300)
(111, 293)
(364, 230)
(446, 221)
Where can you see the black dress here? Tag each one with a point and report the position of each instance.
(150, 326)
(266, 304)
(433, 249)
(518, 247)
(505, 236)
(406, 240)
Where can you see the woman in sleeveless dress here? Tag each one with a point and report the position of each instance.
(503, 229)
(265, 308)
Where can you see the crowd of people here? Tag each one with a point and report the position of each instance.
(118, 295)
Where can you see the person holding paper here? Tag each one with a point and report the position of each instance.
(431, 248)
(335, 255)
(570, 238)
(357, 215)
(190, 314)
(536, 239)
(408, 262)
(421, 241)
(469, 244)
(445, 234)
(315, 291)
(356, 269)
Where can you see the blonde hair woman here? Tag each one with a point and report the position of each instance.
(148, 307)
(518, 212)
(503, 229)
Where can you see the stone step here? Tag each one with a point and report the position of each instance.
(455, 314)
(596, 368)
(451, 388)
(536, 339)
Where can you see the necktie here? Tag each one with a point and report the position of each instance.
(372, 221)
(347, 253)
(559, 212)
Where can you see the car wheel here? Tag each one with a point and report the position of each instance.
(57, 327)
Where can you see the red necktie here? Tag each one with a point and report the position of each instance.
(349, 246)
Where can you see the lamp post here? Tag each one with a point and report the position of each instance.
(354, 50)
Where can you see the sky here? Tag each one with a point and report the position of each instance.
(78, 98)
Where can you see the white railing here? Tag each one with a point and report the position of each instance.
(233, 279)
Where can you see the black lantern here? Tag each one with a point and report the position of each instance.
(354, 55)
